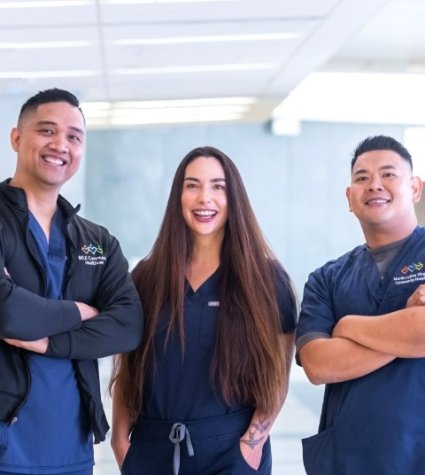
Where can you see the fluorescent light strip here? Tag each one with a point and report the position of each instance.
(130, 113)
(154, 41)
(135, 114)
(206, 39)
(142, 2)
(174, 120)
(46, 74)
(137, 72)
(164, 119)
(93, 107)
(46, 4)
(194, 69)
(46, 44)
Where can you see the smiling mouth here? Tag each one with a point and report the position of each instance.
(58, 162)
(377, 202)
(204, 213)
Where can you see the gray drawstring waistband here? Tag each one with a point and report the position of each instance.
(178, 433)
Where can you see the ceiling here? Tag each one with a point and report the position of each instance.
(243, 55)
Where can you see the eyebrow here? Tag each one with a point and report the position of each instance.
(50, 122)
(213, 180)
(362, 171)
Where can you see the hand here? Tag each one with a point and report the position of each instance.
(86, 311)
(120, 448)
(252, 454)
(37, 346)
(417, 298)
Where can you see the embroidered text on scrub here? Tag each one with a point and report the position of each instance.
(178, 433)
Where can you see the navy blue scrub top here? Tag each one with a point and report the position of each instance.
(374, 424)
(181, 387)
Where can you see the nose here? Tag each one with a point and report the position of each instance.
(375, 184)
(204, 195)
(59, 143)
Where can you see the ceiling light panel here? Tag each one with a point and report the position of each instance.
(227, 10)
(156, 112)
(47, 38)
(50, 49)
(207, 32)
(184, 85)
(15, 15)
(162, 45)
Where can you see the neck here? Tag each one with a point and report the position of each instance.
(204, 261)
(383, 237)
(206, 251)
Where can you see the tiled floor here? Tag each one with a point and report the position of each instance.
(298, 419)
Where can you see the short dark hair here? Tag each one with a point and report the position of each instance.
(47, 96)
(381, 142)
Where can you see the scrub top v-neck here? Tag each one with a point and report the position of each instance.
(180, 387)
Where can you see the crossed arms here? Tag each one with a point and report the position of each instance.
(112, 323)
(362, 344)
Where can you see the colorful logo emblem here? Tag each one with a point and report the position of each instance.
(93, 250)
(412, 268)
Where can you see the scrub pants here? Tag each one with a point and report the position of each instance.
(202, 447)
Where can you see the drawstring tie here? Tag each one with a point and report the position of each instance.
(178, 433)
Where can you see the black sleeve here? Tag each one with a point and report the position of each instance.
(27, 316)
(118, 327)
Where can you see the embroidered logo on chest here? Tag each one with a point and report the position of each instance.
(92, 255)
(410, 273)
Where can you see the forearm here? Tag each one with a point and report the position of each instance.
(258, 430)
(253, 440)
(400, 333)
(333, 360)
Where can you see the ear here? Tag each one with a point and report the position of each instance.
(15, 137)
(348, 195)
(417, 185)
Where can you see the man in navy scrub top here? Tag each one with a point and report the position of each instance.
(66, 298)
(362, 327)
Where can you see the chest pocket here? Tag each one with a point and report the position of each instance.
(208, 325)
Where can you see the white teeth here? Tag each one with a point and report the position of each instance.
(204, 212)
(378, 201)
(54, 161)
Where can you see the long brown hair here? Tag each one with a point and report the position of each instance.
(250, 364)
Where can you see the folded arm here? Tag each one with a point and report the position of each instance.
(41, 345)
(77, 330)
(334, 359)
(400, 333)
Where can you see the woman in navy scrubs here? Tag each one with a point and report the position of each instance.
(201, 393)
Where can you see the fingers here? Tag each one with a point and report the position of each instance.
(417, 298)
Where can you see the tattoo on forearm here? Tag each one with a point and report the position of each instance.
(256, 432)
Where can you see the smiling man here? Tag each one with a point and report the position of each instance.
(61, 308)
(362, 327)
